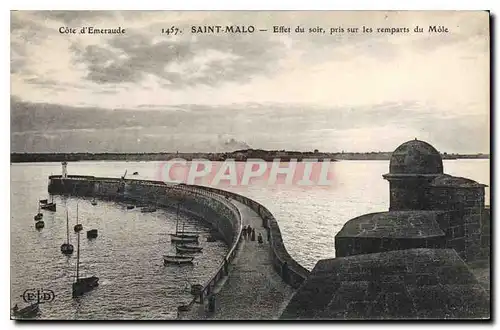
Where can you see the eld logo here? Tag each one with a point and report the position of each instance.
(40, 296)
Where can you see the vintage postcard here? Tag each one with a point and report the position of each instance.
(243, 165)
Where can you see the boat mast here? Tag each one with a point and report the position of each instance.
(67, 227)
(78, 258)
(76, 213)
(177, 220)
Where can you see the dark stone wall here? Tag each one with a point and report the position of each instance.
(462, 225)
(389, 231)
(404, 284)
(485, 234)
(409, 193)
(349, 246)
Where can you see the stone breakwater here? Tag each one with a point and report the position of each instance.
(223, 216)
(207, 204)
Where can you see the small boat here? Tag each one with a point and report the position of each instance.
(130, 207)
(135, 173)
(188, 248)
(177, 259)
(85, 284)
(67, 248)
(93, 202)
(78, 227)
(175, 239)
(26, 312)
(148, 209)
(39, 224)
(39, 215)
(44, 201)
(49, 206)
(92, 233)
(187, 236)
(182, 236)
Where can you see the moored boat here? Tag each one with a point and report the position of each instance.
(26, 312)
(39, 215)
(177, 259)
(188, 248)
(84, 284)
(46, 205)
(92, 233)
(78, 227)
(67, 248)
(130, 207)
(182, 236)
(175, 239)
(49, 207)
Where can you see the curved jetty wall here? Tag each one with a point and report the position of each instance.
(203, 202)
(200, 203)
(296, 273)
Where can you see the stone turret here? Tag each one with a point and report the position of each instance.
(413, 166)
(427, 209)
(412, 261)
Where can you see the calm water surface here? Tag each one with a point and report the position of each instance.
(127, 255)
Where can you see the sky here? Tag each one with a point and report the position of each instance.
(147, 92)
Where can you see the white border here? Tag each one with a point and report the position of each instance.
(183, 5)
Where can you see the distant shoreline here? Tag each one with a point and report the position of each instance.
(244, 155)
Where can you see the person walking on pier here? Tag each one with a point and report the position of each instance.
(244, 232)
(253, 234)
(269, 235)
(249, 231)
(260, 239)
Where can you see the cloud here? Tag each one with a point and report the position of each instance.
(208, 60)
(269, 90)
(225, 128)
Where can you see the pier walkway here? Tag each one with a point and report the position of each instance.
(253, 290)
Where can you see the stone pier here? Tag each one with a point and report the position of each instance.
(253, 290)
